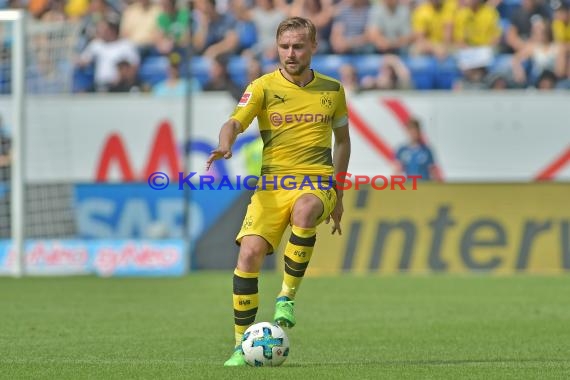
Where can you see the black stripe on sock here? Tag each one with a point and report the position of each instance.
(244, 321)
(241, 314)
(294, 268)
(295, 265)
(244, 286)
(301, 241)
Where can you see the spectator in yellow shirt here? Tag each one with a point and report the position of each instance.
(561, 36)
(432, 26)
(477, 24)
(561, 24)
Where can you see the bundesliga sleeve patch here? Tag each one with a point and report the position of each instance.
(244, 99)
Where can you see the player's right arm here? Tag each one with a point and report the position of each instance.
(246, 110)
(228, 134)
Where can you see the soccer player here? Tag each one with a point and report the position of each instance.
(298, 110)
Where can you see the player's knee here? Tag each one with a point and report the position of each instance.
(251, 257)
(307, 211)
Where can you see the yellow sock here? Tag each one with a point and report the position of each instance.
(298, 252)
(246, 301)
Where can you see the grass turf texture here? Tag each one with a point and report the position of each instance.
(348, 327)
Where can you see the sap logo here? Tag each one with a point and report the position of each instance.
(245, 302)
(136, 218)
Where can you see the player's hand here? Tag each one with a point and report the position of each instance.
(217, 154)
(336, 216)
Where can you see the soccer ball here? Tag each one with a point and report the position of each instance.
(265, 344)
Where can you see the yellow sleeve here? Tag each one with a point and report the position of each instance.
(558, 31)
(340, 117)
(249, 105)
(459, 25)
(419, 16)
(495, 27)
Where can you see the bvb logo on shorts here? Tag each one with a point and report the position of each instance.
(247, 223)
(326, 101)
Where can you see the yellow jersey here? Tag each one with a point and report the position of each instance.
(561, 31)
(295, 123)
(479, 28)
(431, 21)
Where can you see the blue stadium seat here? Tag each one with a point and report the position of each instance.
(447, 73)
(423, 71)
(200, 69)
(329, 64)
(83, 79)
(237, 69)
(154, 69)
(247, 34)
(368, 64)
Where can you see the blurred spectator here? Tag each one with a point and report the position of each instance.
(392, 75)
(415, 157)
(476, 24)
(547, 81)
(254, 70)
(5, 151)
(245, 28)
(173, 28)
(128, 80)
(541, 51)
(561, 33)
(37, 8)
(474, 64)
(432, 25)
(520, 23)
(174, 85)
(498, 82)
(389, 28)
(55, 11)
(266, 16)
(106, 51)
(561, 23)
(215, 34)
(75, 9)
(99, 10)
(5, 176)
(140, 24)
(349, 79)
(220, 79)
(321, 12)
(348, 34)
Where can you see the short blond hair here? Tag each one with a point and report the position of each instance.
(294, 23)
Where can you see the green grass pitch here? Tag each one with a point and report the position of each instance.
(349, 327)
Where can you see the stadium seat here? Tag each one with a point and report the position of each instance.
(200, 69)
(237, 69)
(247, 34)
(154, 69)
(329, 64)
(83, 79)
(423, 71)
(368, 64)
(446, 74)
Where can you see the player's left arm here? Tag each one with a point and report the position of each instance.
(341, 156)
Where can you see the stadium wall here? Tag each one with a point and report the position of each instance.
(494, 213)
